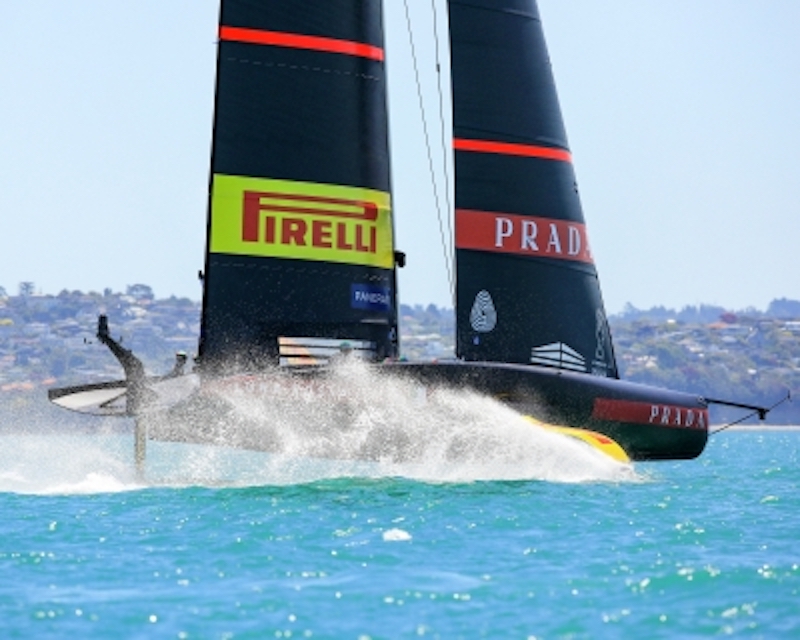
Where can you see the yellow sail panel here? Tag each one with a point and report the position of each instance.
(301, 220)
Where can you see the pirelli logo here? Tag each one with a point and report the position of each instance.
(301, 220)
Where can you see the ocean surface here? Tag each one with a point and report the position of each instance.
(538, 538)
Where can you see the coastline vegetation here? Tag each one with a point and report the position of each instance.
(749, 356)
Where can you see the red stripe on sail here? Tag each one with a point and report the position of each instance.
(512, 149)
(297, 41)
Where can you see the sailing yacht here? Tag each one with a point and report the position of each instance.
(301, 260)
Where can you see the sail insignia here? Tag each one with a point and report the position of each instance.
(483, 316)
(558, 355)
(301, 221)
(600, 365)
(310, 351)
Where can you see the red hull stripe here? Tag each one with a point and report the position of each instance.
(297, 41)
(511, 149)
(665, 415)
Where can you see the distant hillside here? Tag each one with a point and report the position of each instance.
(751, 356)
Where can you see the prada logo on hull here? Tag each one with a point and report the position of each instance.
(666, 415)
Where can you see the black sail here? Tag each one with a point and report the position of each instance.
(527, 289)
(300, 238)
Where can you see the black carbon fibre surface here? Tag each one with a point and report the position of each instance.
(504, 92)
(309, 116)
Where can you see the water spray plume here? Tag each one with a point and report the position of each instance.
(359, 414)
(286, 429)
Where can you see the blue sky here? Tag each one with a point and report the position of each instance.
(683, 118)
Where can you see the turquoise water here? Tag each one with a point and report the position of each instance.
(205, 547)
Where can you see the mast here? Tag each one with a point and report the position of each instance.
(299, 240)
(527, 289)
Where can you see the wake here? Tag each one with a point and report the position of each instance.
(447, 435)
(63, 464)
(363, 424)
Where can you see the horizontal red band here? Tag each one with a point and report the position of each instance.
(511, 149)
(297, 41)
(650, 413)
(522, 235)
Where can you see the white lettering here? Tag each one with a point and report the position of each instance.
(665, 416)
(529, 231)
(554, 241)
(653, 412)
(689, 418)
(574, 241)
(677, 421)
(372, 298)
(503, 229)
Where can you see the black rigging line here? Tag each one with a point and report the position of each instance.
(761, 412)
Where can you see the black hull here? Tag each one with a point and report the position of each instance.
(647, 422)
(674, 427)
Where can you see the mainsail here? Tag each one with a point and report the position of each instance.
(300, 251)
(527, 289)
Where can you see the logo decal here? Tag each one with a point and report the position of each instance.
(301, 220)
(370, 298)
(600, 364)
(648, 413)
(483, 316)
(522, 235)
(559, 355)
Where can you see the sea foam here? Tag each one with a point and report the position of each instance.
(362, 424)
